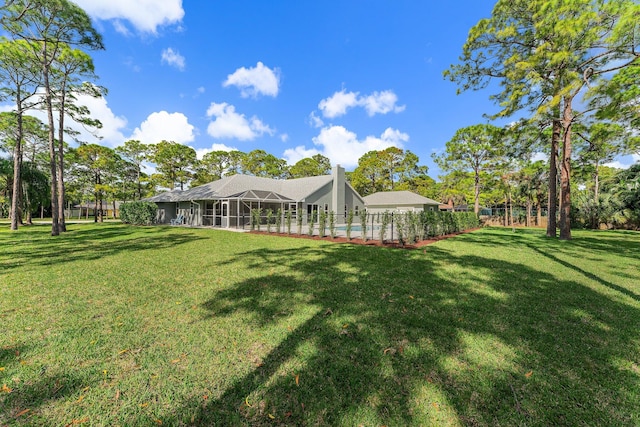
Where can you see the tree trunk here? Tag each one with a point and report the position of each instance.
(61, 190)
(595, 223)
(506, 211)
(510, 209)
(17, 166)
(99, 182)
(55, 230)
(538, 212)
(139, 186)
(596, 189)
(528, 219)
(553, 179)
(565, 172)
(476, 206)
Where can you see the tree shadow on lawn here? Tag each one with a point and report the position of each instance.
(606, 245)
(621, 243)
(401, 338)
(84, 244)
(20, 397)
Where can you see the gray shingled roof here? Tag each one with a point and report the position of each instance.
(397, 198)
(169, 196)
(233, 186)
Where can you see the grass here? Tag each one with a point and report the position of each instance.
(116, 325)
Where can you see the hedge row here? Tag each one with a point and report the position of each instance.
(138, 213)
(405, 227)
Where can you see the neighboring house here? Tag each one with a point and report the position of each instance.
(89, 209)
(450, 207)
(399, 201)
(228, 202)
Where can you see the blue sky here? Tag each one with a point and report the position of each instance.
(293, 78)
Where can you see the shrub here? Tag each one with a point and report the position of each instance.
(269, 219)
(363, 224)
(310, 221)
(278, 220)
(386, 218)
(349, 222)
(299, 222)
(400, 226)
(138, 213)
(411, 223)
(255, 219)
(287, 221)
(332, 224)
(322, 223)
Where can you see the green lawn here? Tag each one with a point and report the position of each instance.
(116, 325)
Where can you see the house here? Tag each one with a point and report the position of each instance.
(399, 201)
(109, 209)
(450, 207)
(228, 202)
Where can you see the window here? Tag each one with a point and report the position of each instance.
(356, 210)
(326, 208)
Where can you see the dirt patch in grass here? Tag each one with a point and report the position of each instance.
(370, 242)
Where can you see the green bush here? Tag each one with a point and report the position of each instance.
(287, 221)
(363, 224)
(311, 220)
(138, 213)
(386, 219)
(269, 219)
(278, 220)
(349, 222)
(332, 224)
(299, 222)
(255, 219)
(322, 223)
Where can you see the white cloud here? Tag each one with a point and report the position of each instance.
(201, 89)
(173, 58)
(338, 104)
(315, 121)
(624, 162)
(343, 147)
(294, 155)
(229, 124)
(381, 103)
(284, 137)
(200, 152)
(377, 103)
(120, 27)
(112, 125)
(617, 164)
(145, 15)
(166, 126)
(260, 80)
